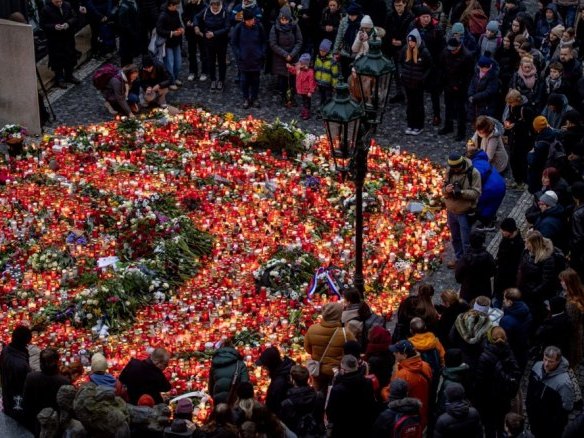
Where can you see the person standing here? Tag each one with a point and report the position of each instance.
(516, 322)
(460, 418)
(483, 90)
(195, 42)
(577, 229)
(279, 370)
(396, 25)
(128, 27)
(348, 30)
(170, 27)
(475, 269)
(58, 20)
(572, 286)
(398, 407)
(14, 367)
(146, 376)
(249, 45)
(227, 371)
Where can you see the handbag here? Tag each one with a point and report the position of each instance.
(157, 46)
(312, 365)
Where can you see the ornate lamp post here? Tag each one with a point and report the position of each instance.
(350, 126)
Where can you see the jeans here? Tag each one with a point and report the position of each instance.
(250, 84)
(569, 14)
(173, 61)
(459, 226)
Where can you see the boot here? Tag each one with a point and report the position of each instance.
(448, 128)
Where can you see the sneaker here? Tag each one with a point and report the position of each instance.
(416, 131)
(203, 77)
(213, 85)
(177, 82)
(173, 87)
(219, 86)
(110, 109)
(246, 104)
(486, 227)
(408, 131)
(256, 104)
(191, 77)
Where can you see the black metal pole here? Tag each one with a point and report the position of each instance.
(360, 174)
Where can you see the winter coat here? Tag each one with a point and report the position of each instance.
(494, 147)
(143, 377)
(224, 363)
(549, 399)
(418, 375)
(346, 35)
(551, 223)
(557, 330)
(460, 420)
(555, 118)
(432, 36)
(285, 40)
(577, 235)
(351, 406)
(305, 83)
(456, 70)
(508, 61)
(468, 333)
(492, 186)
(381, 364)
(190, 11)
(279, 385)
(128, 24)
(159, 76)
(316, 340)
(428, 341)
(299, 402)
(484, 92)
(537, 158)
(474, 272)
(490, 45)
(249, 45)
(383, 426)
(328, 18)
(414, 74)
(360, 48)
(61, 43)
(470, 184)
(169, 21)
(575, 351)
(14, 368)
(117, 91)
(326, 70)
(517, 322)
(534, 94)
(396, 27)
(460, 374)
(218, 23)
(40, 391)
(544, 27)
(448, 316)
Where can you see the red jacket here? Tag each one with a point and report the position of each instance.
(305, 82)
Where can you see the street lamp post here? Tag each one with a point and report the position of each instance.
(350, 126)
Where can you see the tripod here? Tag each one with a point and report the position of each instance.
(45, 96)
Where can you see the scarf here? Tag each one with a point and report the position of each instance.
(529, 78)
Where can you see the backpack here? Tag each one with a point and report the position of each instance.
(507, 378)
(432, 358)
(103, 75)
(407, 426)
(556, 155)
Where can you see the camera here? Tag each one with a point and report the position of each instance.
(456, 189)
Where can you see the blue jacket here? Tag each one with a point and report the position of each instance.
(493, 186)
(249, 45)
(206, 21)
(543, 27)
(238, 10)
(551, 224)
(516, 322)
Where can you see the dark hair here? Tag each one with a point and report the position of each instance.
(299, 375)
(515, 423)
(578, 190)
(352, 295)
(484, 123)
(557, 66)
(424, 307)
(512, 294)
(49, 360)
(476, 239)
(21, 336)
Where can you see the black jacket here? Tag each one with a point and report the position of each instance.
(40, 391)
(460, 421)
(517, 322)
(448, 316)
(456, 70)
(216, 23)
(507, 261)
(143, 377)
(300, 402)
(537, 281)
(351, 406)
(552, 224)
(396, 28)
(14, 367)
(474, 271)
(159, 76)
(169, 21)
(61, 42)
(383, 426)
(279, 385)
(557, 330)
(577, 233)
(381, 363)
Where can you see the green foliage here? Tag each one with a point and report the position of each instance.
(280, 137)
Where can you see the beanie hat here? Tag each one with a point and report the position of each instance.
(485, 61)
(378, 336)
(184, 406)
(508, 224)
(403, 347)
(331, 312)
(248, 14)
(453, 44)
(458, 28)
(245, 390)
(354, 9)
(367, 22)
(305, 58)
(423, 10)
(285, 13)
(493, 26)
(98, 363)
(455, 160)
(549, 198)
(270, 358)
(349, 363)
(146, 400)
(454, 392)
(398, 389)
(540, 123)
(325, 45)
(558, 30)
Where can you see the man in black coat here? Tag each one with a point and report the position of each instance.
(279, 371)
(399, 405)
(475, 269)
(14, 367)
(460, 418)
(508, 258)
(557, 329)
(58, 20)
(146, 376)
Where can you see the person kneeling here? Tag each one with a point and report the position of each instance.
(119, 95)
(154, 81)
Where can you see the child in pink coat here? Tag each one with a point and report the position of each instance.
(305, 82)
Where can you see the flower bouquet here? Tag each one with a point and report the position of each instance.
(13, 136)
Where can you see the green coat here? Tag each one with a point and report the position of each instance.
(223, 366)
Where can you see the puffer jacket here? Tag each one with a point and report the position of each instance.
(538, 281)
(552, 223)
(418, 375)
(305, 83)
(249, 45)
(497, 366)
(326, 70)
(460, 374)
(470, 183)
(316, 340)
(414, 74)
(516, 322)
(549, 400)
(225, 362)
(494, 147)
(474, 272)
(484, 92)
(383, 426)
(428, 341)
(459, 420)
(284, 41)
(493, 187)
(431, 35)
(302, 401)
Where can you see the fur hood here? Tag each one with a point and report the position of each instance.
(472, 326)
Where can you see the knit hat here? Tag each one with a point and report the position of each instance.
(270, 358)
(354, 9)
(485, 61)
(454, 392)
(353, 348)
(508, 224)
(248, 14)
(549, 198)
(455, 160)
(331, 312)
(285, 13)
(184, 406)
(493, 26)
(367, 22)
(398, 389)
(422, 10)
(178, 428)
(305, 58)
(325, 45)
(245, 390)
(453, 44)
(558, 30)
(98, 363)
(403, 347)
(349, 363)
(146, 400)
(379, 339)
(540, 123)
(458, 28)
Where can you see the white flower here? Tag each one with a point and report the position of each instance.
(89, 316)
